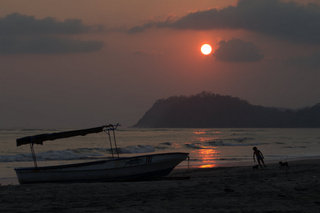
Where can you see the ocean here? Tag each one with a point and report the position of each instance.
(207, 147)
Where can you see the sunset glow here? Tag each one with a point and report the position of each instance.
(171, 106)
(206, 49)
(147, 50)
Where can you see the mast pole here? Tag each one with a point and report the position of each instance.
(33, 156)
(108, 132)
(115, 142)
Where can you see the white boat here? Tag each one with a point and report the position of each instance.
(117, 169)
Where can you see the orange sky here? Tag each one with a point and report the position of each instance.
(109, 12)
(121, 81)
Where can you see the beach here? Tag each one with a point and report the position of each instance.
(223, 189)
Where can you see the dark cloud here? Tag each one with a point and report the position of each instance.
(286, 20)
(236, 50)
(139, 29)
(46, 45)
(17, 24)
(21, 34)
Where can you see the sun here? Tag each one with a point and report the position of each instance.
(206, 49)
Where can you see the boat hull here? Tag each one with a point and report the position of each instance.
(123, 169)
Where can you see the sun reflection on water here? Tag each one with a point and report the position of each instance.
(205, 152)
(207, 157)
(207, 166)
(199, 132)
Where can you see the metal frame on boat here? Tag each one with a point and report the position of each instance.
(117, 169)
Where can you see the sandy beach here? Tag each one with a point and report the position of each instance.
(233, 189)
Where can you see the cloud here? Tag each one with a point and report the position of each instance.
(17, 24)
(285, 20)
(22, 34)
(236, 50)
(139, 29)
(46, 45)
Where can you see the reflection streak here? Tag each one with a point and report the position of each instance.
(207, 157)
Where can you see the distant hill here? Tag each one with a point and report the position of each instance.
(207, 110)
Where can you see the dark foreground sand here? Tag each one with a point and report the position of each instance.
(239, 189)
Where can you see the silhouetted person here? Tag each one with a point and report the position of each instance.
(257, 154)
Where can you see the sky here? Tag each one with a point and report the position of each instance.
(80, 63)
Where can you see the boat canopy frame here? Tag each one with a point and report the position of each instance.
(39, 139)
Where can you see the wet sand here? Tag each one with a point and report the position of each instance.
(236, 189)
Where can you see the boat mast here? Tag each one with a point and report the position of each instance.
(33, 156)
(115, 141)
(107, 131)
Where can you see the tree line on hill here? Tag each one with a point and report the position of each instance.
(209, 110)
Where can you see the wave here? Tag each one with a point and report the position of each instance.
(80, 153)
(233, 144)
(294, 147)
(210, 144)
(238, 140)
(166, 143)
(51, 155)
(277, 142)
(137, 149)
(195, 146)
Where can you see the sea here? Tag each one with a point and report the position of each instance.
(207, 148)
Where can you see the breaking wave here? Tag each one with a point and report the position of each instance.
(82, 153)
(222, 142)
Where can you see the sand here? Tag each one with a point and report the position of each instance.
(237, 189)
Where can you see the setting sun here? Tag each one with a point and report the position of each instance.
(206, 49)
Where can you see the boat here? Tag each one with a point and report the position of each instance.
(142, 167)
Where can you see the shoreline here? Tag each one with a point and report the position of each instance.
(220, 189)
(12, 179)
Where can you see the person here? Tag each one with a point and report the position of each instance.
(257, 154)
